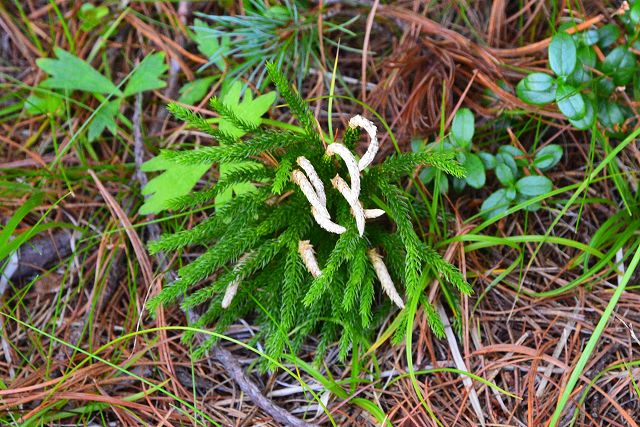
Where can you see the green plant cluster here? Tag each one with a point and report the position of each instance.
(521, 177)
(459, 141)
(68, 73)
(520, 174)
(254, 237)
(589, 90)
(285, 33)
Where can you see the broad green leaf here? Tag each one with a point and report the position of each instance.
(105, 117)
(461, 157)
(604, 87)
(504, 174)
(570, 102)
(72, 73)
(634, 13)
(91, 16)
(147, 75)
(506, 160)
(531, 207)
(489, 160)
(510, 149)
(427, 174)
(417, 145)
(587, 56)
(475, 171)
(539, 82)
(589, 118)
(495, 204)
(547, 157)
(620, 64)
(209, 44)
(194, 91)
(562, 54)
(534, 185)
(176, 180)
(586, 62)
(463, 127)
(250, 110)
(459, 184)
(589, 37)
(608, 34)
(609, 114)
(44, 103)
(537, 89)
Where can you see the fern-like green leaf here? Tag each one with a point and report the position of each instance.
(262, 142)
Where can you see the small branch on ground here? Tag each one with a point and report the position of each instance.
(233, 368)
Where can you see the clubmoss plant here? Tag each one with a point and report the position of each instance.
(299, 256)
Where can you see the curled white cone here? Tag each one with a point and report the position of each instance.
(352, 166)
(231, 292)
(309, 257)
(232, 288)
(308, 168)
(384, 277)
(308, 190)
(356, 207)
(313, 188)
(372, 130)
(326, 222)
(373, 213)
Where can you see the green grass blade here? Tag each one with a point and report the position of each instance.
(593, 340)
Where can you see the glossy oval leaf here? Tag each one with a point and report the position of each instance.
(534, 185)
(476, 177)
(463, 127)
(620, 64)
(548, 156)
(589, 37)
(634, 13)
(427, 174)
(510, 149)
(570, 102)
(604, 87)
(589, 117)
(609, 114)
(459, 184)
(495, 204)
(443, 184)
(488, 159)
(507, 159)
(608, 34)
(562, 54)
(586, 62)
(537, 89)
(504, 174)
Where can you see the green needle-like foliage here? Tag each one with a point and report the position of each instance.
(253, 239)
